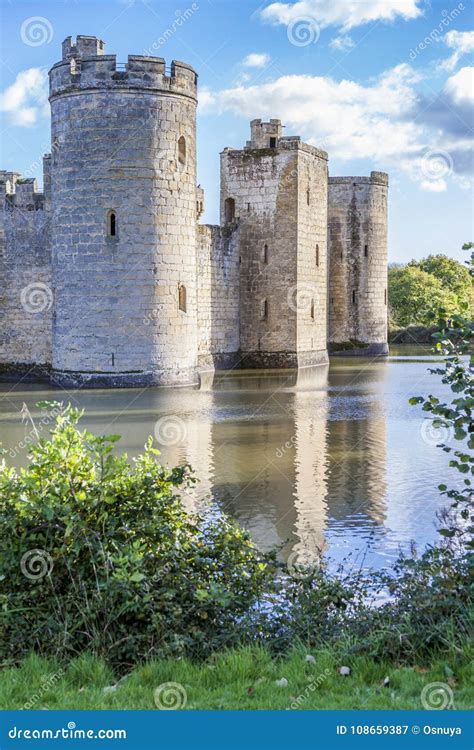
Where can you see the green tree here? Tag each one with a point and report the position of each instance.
(453, 275)
(415, 296)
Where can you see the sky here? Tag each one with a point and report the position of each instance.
(378, 84)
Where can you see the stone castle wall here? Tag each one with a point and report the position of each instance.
(26, 300)
(218, 271)
(310, 295)
(159, 298)
(357, 221)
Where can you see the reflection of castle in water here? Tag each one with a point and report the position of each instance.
(357, 445)
(295, 462)
(290, 463)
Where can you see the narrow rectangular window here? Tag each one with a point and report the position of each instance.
(264, 309)
(353, 296)
(182, 298)
(366, 250)
(265, 253)
(385, 296)
(317, 255)
(111, 224)
(273, 142)
(312, 309)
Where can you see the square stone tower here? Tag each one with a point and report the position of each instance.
(275, 191)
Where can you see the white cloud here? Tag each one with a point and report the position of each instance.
(434, 186)
(27, 98)
(256, 60)
(342, 42)
(460, 87)
(384, 121)
(345, 14)
(462, 42)
(347, 118)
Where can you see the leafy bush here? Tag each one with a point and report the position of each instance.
(429, 611)
(98, 555)
(311, 608)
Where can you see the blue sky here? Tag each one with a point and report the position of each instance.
(379, 84)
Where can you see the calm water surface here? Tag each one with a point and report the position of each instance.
(335, 460)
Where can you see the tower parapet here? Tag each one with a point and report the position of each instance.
(85, 66)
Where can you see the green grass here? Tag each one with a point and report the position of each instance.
(242, 679)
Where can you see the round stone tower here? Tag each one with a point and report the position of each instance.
(123, 190)
(357, 229)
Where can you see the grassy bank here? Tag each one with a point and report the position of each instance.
(239, 679)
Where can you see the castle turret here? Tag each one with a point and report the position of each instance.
(357, 223)
(123, 195)
(274, 191)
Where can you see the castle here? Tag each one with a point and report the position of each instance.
(108, 279)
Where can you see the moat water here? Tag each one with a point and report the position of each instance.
(336, 461)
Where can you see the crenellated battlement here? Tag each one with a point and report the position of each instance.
(85, 66)
(20, 192)
(375, 178)
(82, 46)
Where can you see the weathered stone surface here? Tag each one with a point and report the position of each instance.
(357, 220)
(117, 150)
(163, 298)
